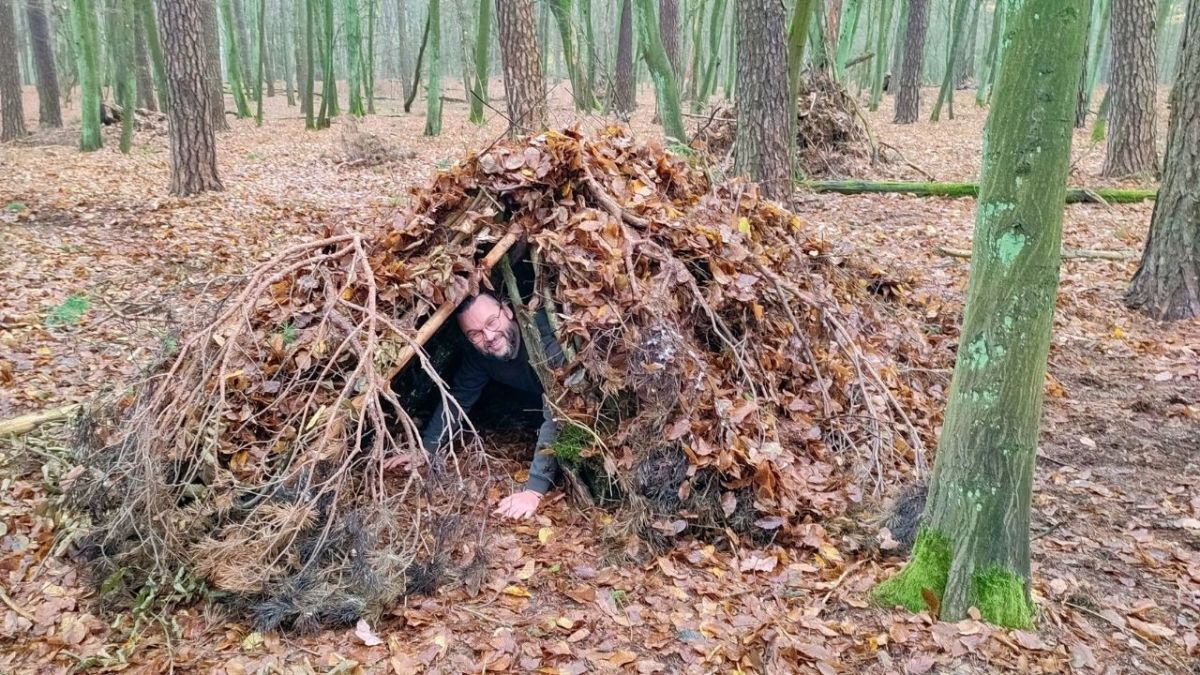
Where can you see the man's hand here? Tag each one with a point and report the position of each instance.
(519, 505)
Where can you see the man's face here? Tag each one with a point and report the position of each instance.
(491, 329)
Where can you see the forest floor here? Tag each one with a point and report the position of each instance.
(99, 264)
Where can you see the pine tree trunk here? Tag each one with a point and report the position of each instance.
(212, 45)
(908, 89)
(83, 30)
(483, 34)
(1167, 283)
(49, 110)
(193, 142)
(761, 149)
(802, 16)
(624, 95)
(1131, 137)
(666, 87)
(668, 30)
(522, 60)
(973, 548)
(433, 102)
(12, 114)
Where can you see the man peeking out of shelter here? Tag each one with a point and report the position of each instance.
(498, 353)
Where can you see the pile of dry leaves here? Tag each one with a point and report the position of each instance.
(728, 372)
(831, 139)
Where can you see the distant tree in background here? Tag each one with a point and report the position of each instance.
(622, 99)
(193, 141)
(1167, 283)
(49, 110)
(12, 114)
(433, 108)
(1131, 135)
(212, 50)
(483, 34)
(908, 89)
(666, 86)
(83, 34)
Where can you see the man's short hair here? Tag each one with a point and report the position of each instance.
(470, 300)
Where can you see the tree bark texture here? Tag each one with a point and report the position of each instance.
(1131, 148)
(12, 114)
(83, 31)
(49, 109)
(973, 548)
(145, 82)
(624, 98)
(433, 99)
(193, 142)
(524, 86)
(908, 89)
(1167, 283)
(668, 29)
(666, 86)
(212, 48)
(483, 35)
(762, 143)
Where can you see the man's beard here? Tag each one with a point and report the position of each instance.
(512, 338)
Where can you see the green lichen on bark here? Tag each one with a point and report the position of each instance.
(1000, 597)
(928, 569)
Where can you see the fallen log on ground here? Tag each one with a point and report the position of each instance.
(732, 372)
(1074, 194)
(23, 424)
(1067, 254)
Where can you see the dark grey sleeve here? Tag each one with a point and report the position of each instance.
(543, 470)
(466, 388)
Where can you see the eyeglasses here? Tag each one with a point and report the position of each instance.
(492, 326)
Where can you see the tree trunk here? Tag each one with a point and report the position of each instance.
(964, 68)
(353, 27)
(666, 86)
(287, 54)
(49, 111)
(908, 89)
(668, 30)
(126, 78)
(238, 17)
(329, 102)
(433, 103)
(145, 81)
(881, 48)
(973, 547)
(12, 114)
(1096, 45)
(212, 45)
(802, 16)
(308, 89)
(946, 93)
(761, 149)
(847, 26)
(260, 61)
(233, 60)
(193, 142)
(624, 93)
(416, 81)
(897, 57)
(1167, 283)
(368, 60)
(521, 57)
(83, 30)
(563, 11)
(268, 54)
(483, 34)
(406, 65)
(983, 91)
(589, 69)
(1131, 147)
